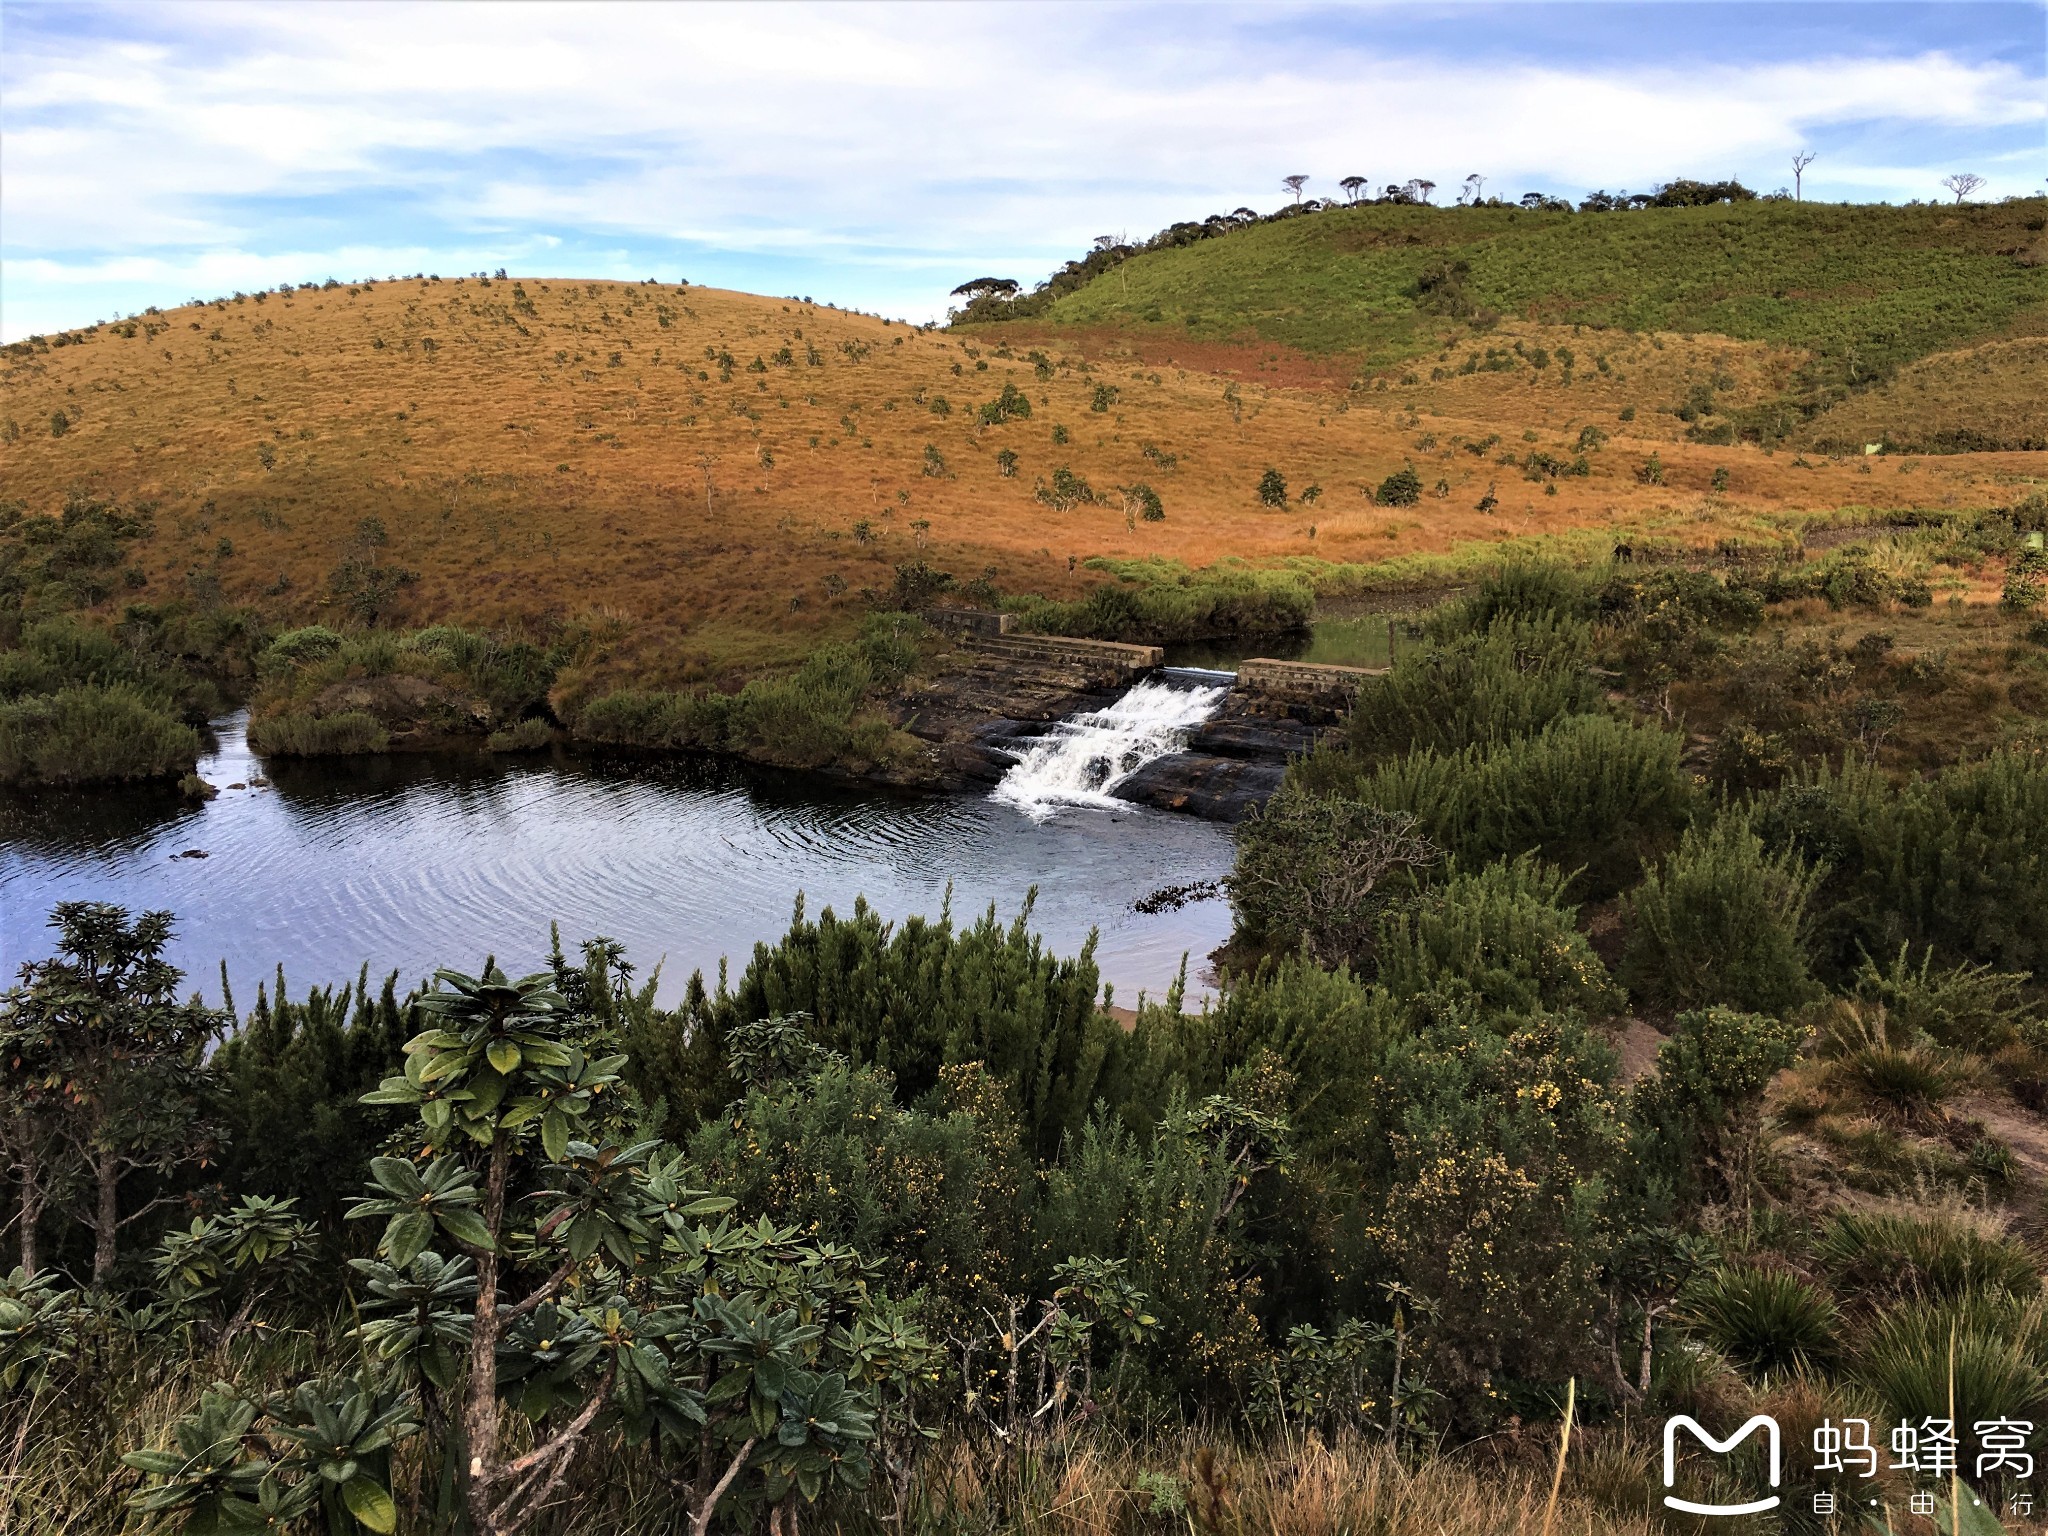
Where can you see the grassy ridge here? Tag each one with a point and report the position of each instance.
(1865, 289)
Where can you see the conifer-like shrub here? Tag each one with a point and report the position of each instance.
(299, 733)
(1952, 860)
(1587, 792)
(1509, 679)
(94, 732)
(1721, 921)
(1502, 933)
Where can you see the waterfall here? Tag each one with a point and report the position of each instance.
(1082, 759)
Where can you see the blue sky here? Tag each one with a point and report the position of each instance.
(875, 155)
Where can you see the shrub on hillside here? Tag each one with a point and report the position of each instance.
(1314, 872)
(1510, 679)
(1699, 1116)
(1587, 792)
(1502, 934)
(93, 733)
(1272, 488)
(1503, 1149)
(1403, 488)
(1913, 1255)
(1774, 1322)
(1721, 922)
(1952, 860)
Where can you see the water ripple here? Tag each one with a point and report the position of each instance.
(409, 863)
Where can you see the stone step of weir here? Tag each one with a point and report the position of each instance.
(1109, 656)
(1266, 675)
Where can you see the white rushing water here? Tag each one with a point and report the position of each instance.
(1083, 759)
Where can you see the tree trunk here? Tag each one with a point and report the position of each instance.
(31, 1213)
(480, 1413)
(106, 1172)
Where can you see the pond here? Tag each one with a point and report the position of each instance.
(409, 862)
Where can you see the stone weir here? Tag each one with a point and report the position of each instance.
(1234, 760)
(999, 690)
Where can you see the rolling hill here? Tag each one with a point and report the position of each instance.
(1851, 294)
(690, 488)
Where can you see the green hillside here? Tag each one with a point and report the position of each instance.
(1865, 289)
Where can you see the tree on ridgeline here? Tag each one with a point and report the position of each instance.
(1294, 184)
(1963, 184)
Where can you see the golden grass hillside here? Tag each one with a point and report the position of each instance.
(722, 478)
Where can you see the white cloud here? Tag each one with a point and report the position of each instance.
(852, 136)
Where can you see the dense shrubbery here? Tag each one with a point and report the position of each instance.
(1586, 793)
(90, 698)
(1953, 860)
(901, 1228)
(1509, 678)
(1721, 921)
(93, 733)
(819, 716)
(1157, 602)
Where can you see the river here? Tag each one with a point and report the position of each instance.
(409, 862)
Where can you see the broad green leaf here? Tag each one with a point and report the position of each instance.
(465, 1227)
(370, 1504)
(554, 1135)
(407, 1235)
(397, 1176)
(504, 1055)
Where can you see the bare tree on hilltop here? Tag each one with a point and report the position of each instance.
(1474, 185)
(1420, 188)
(1963, 183)
(1294, 184)
(1800, 162)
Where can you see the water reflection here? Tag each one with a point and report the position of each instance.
(408, 862)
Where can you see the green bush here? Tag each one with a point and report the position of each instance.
(295, 647)
(1974, 1358)
(1720, 922)
(1587, 792)
(1504, 1149)
(1698, 1117)
(1527, 590)
(811, 718)
(1953, 861)
(529, 735)
(1314, 873)
(93, 733)
(1967, 1006)
(832, 1153)
(1160, 603)
(1480, 687)
(914, 998)
(1502, 933)
(301, 734)
(1403, 488)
